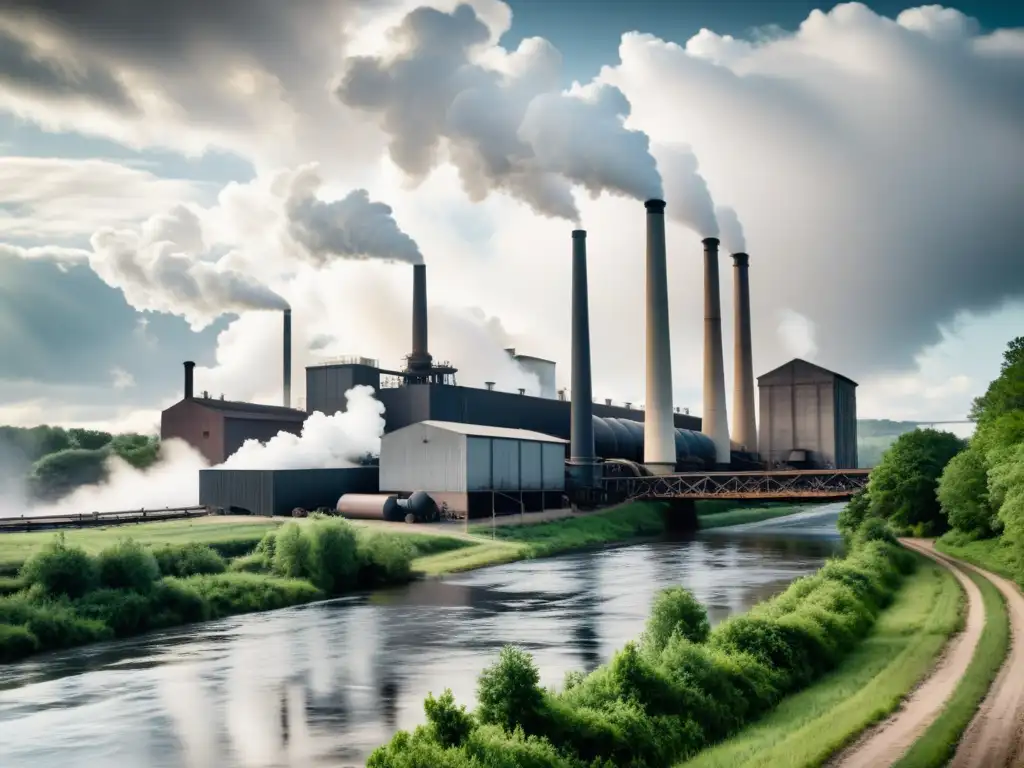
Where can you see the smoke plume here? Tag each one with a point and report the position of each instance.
(353, 227)
(505, 123)
(687, 198)
(164, 268)
(326, 442)
(732, 236)
(797, 334)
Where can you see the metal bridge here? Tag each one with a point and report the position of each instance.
(783, 485)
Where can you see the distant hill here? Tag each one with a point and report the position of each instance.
(874, 436)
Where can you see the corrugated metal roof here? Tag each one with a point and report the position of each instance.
(235, 408)
(478, 430)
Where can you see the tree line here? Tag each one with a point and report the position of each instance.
(930, 482)
(51, 462)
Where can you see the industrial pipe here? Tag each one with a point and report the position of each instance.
(715, 420)
(659, 428)
(189, 379)
(744, 426)
(582, 458)
(287, 349)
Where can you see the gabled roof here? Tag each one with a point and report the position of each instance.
(233, 408)
(478, 430)
(798, 362)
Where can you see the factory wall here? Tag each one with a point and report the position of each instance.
(277, 492)
(239, 429)
(200, 427)
(846, 425)
(326, 385)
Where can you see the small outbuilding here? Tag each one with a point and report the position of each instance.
(808, 417)
(270, 492)
(475, 470)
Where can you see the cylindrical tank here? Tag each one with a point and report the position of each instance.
(370, 506)
(421, 506)
(604, 438)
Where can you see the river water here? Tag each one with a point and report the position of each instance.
(322, 685)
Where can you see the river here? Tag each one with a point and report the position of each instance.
(321, 685)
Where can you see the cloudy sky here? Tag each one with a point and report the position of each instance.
(171, 177)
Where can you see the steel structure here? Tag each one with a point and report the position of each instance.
(793, 484)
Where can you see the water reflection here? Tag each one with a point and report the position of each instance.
(322, 685)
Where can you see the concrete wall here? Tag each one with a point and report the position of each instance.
(200, 427)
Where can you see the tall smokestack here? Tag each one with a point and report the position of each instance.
(189, 379)
(420, 358)
(744, 427)
(287, 349)
(715, 421)
(659, 428)
(582, 459)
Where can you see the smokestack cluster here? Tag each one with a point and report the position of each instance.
(287, 350)
(659, 427)
(715, 420)
(190, 368)
(744, 426)
(582, 458)
(420, 358)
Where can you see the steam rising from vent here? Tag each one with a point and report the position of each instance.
(798, 335)
(733, 239)
(686, 192)
(506, 123)
(354, 227)
(326, 441)
(165, 267)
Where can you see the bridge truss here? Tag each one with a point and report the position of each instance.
(781, 485)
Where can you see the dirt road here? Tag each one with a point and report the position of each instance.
(995, 737)
(886, 743)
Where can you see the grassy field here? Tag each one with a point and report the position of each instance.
(230, 538)
(994, 555)
(808, 727)
(731, 517)
(937, 745)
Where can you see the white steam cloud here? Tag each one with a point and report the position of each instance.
(733, 239)
(335, 441)
(687, 198)
(797, 334)
(501, 116)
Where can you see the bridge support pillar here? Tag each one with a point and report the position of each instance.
(680, 516)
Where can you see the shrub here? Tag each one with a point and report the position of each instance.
(449, 724)
(176, 602)
(875, 529)
(58, 569)
(128, 565)
(963, 493)
(384, 559)
(291, 552)
(125, 612)
(508, 692)
(226, 594)
(675, 611)
(188, 560)
(333, 563)
(267, 545)
(16, 642)
(254, 563)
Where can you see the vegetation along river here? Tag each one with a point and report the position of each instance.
(323, 684)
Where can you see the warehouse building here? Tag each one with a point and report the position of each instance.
(808, 417)
(475, 470)
(269, 492)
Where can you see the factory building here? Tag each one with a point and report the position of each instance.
(544, 370)
(475, 470)
(217, 427)
(269, 492)
(808, 417)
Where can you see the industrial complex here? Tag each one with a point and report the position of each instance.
(470, 452)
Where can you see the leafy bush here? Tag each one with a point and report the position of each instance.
(384, 559)
(853, 515)
(333, 562)
(57, 474)
(16, 642)
(675, 612)
(58, 569)
(875, 529)
(128, 565)
(227, 594)
(683, 689)
(963, 494)
(188, 560)
(254, 563)
(292, 552)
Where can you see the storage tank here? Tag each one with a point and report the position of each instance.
(370, 506)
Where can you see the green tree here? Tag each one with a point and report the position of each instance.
(1006, 392)
(58, 474)
(675, 612)
(963, 493)
(141, 451)
(903, 485)
(509, 691)
(89, 439)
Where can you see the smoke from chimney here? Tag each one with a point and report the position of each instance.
(744, 426)
(582, 458)
(659, 428)
(287, 350)
(189, 379)
(715, 421)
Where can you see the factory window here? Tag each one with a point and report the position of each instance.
(206, 433)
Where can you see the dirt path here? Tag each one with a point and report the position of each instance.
(995, 737)
(887, 742)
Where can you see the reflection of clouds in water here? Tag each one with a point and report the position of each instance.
(191, 710)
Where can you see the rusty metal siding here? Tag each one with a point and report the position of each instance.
(553, 470)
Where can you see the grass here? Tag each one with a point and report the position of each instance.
(468, 558)
(810, 726)
(938, 744)
(230, 538)
(996, 555)
(744, 515)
